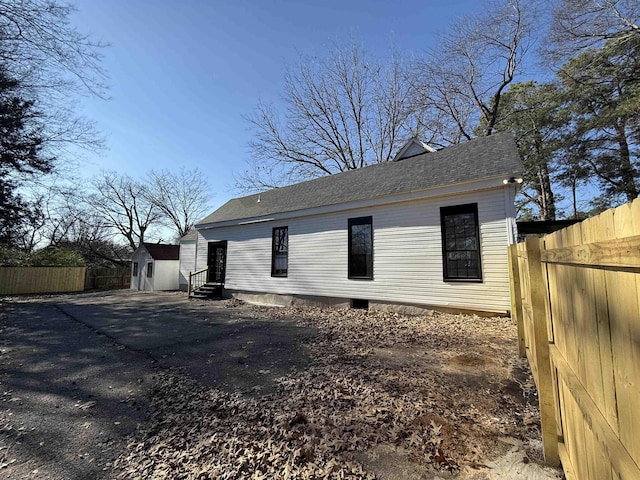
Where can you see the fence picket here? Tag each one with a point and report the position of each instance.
(591, 282)
(516, 298)
(625, 332)
(30, 280)
(540, 339)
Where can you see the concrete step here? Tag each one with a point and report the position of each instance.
(200, 295)
(207, 290)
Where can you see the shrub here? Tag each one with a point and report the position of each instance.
(46, 257)
(56, 257)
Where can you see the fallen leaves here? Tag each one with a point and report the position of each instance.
(85, 405)
(440, 398)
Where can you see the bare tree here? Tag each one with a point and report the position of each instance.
(53, 63)
(597, 45)
(40, 47)
(460, 83)
(123, 206)
(341, 112)
(45, 63)
(581, 24)
(85, 233)
(181, 198)
(77, 227)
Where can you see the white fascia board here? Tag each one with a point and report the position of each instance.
(446, 190)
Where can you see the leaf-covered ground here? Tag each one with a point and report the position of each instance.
(386, 396)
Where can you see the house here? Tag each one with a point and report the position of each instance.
(187, 258)
(155, 266)
(429, 229)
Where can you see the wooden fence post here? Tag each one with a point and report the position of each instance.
(546, 397)
(516, 297)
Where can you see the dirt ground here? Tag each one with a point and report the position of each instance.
(328, 394)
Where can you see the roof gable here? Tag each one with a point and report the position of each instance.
(485, 157)
(412, 148)
(159, 251)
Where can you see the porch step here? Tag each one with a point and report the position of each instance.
(208, 290)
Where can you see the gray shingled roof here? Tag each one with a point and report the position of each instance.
(477, 159)
(189, 236)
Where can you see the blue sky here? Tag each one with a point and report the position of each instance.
(183, 73)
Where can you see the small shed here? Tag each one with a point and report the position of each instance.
(187, 258)
(155, 266)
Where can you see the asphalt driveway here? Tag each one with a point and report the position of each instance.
(75, 370)
(216, 343)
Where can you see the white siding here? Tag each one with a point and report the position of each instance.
(407, 255)
(187, 260)
(165, 275)
(141, 282)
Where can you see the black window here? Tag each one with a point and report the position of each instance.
(461, 242)
(135, 269)
(149, 269)
(361, 248)
(280, 252)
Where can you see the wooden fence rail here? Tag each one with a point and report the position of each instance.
(26, 280)
(576, 299)
(107, 278)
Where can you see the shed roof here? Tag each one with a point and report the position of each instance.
(160, 251)
(477, 159)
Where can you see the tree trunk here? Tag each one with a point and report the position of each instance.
(627, 172)
(547, 200)
(574, 196)
(548, 212)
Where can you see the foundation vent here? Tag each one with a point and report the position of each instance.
(360, 304)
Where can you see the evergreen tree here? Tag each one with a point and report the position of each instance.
(602, 91)
(20, 155)
(533, 113)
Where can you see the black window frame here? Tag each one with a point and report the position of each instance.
(282, 272)
(369, 267)
(149, 269)
(135, 269)
(458, 210)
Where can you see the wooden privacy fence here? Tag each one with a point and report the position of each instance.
(107, 278)
(26, 280)
(576, 296)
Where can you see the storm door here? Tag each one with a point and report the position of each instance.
(216, 261)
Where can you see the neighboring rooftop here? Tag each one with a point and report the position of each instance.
(160, 251)
(190, 235)
(484, 157)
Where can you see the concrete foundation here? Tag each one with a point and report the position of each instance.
(279, 300)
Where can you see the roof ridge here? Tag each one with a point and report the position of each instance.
(481, 157)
